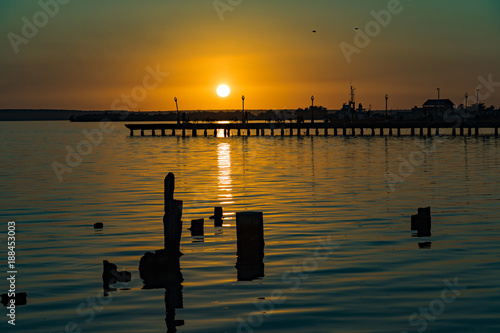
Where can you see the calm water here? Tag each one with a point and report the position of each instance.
(339, 255)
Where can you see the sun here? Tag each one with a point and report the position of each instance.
(223, 90)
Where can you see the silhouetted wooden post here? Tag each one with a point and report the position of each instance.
(361, 131)
(272, 131)
(217, 216)
(250, 245)
(131, 132)
(326, 131)
(496, 131)
(477, 131)
(381, 131)
(421, 131)
(344, 131)
(172, 224)
(469, 132)
(307, 131)
(162, 132)
(437, 130)
(399, 131)
(454, 131)
(205, 133)
(373, 131)
(142, 132)
(335, 133)
(282, 131)
(353, 131)
(429, 131)
(248, 132)
(422, 222)
(183, 132)
(390, 131)
(173, 132)
(197, 227)
(215, 132)
(153, 133)
(194, 132)
(413, 131)
(239, 132)
(461, 131)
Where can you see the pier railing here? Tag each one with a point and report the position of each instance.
(394, 128)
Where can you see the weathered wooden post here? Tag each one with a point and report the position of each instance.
(239, 132)
(412, 131)
(162, 132)
(194, 133)
(326, 131)
(469, 131)
(453, 131)
(429, 131)
(217, 217)
(250, 245)
(335, 133)
(353, 131)
(153, 132)
(142, 132)
(282, 131)
(422, 222)
(477, 131)
(317, 131)
(381, 131)
(205, 133)
(461, 131)
(272, 131)
(373, 131)
(437, 130)
(131, 132)
(399, 131)
(390, 131)
(173, 132)
(421, 131)
(172, 224)
(361, 131)
(197, 227)
(215, 132)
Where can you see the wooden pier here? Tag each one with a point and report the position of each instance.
(357, 128)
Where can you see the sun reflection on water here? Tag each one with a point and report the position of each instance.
(225, 182)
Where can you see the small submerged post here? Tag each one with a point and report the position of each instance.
(197, 227)
(217, 216)
(422, 222)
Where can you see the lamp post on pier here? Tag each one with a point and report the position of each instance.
(312, 109)
(177, 108)
(386, 99)
(243, 108)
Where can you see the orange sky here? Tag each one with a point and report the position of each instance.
(92, 53)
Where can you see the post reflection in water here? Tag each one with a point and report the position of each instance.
(159, 270)
(225, 182)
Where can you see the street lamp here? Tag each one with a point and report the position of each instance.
(243, 108)
(312, 109)
(386, 99)
(177, 107)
